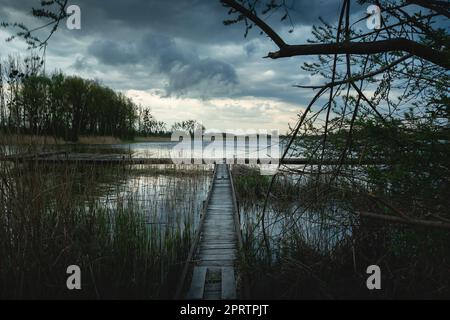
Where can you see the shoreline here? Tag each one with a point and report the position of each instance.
(15, 139)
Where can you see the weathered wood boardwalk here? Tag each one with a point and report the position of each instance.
(215, 252)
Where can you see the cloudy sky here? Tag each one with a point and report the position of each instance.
(178, 58)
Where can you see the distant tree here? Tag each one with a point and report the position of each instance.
(35, 101)
(147, 122)
(2, 100)
(187, 126)
(61, 106)
(160, 127)
(77, 98)
(58, 125)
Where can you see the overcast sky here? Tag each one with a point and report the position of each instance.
(178, 58)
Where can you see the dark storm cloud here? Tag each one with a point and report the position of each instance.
(80, 64)
(180, 42)
(198, 20)
(184, 69)
(112, 53)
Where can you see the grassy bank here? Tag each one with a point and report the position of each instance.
(23, 139)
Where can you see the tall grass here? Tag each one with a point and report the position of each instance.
(319, 250)
(128, 231)
(43, 140)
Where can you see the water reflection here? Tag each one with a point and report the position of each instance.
(166, 196)
(231, 149)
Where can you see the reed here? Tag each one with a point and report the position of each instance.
(319, 250)
(129, 229)
(26, 139)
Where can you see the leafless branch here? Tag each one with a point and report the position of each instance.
(440, 58)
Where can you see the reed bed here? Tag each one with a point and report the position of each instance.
(310, 249)
(129, 229)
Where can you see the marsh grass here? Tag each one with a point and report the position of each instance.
(98, 140)
(15, 139)
(129, 229)
(43, 140)
(318, 250)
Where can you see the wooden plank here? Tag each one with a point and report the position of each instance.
(224, 247)
(214, 236)
(197, 284)
(224, 213)
(223, 231)
(213, 231)
(215, 263)
(217, 257)
(195, 243)
(213, 285)
(215, 251)
(218, 244)
(228, 284)
(224, 219)
(212, 228)
(219, 238)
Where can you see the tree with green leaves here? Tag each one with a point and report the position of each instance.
(405, 64)
(61, 106)
(189, 126)
(376, 136)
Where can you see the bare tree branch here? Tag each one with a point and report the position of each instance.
(253, 17)
(439, 58)
(441, 7)
(362, 77)
(399, 44)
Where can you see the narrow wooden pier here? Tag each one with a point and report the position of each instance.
(214, 253)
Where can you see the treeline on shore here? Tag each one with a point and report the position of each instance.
(67, 107)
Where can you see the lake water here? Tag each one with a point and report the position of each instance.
(238, 149)
(170, 198)
(218, 149)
